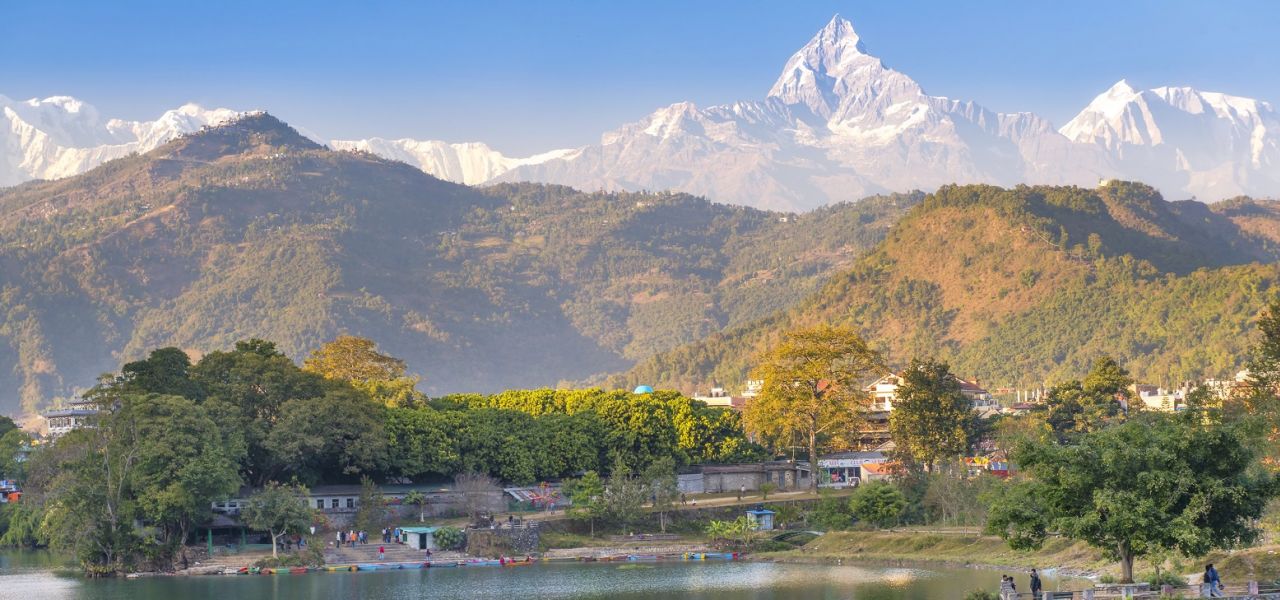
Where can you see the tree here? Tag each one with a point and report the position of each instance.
(878, 502)
(353, 359)
(664, 487)
(586, 498)
(624, 495)
(931, 418)
(372, 510)
(1082, 406)
(811, 388)
(480, 494)
(1158, 482)
(278, 509)
(766, 488)
(418, 499)
(336, 436)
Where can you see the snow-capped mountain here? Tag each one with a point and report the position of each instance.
(61, 136)
(1178, 138)
(836, 125)
(470, 163)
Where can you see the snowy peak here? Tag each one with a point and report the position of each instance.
(822, 71)
(470, 163)
(61, 136)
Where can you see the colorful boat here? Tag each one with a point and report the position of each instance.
(481, 562)
(298, 570)
(642, 557)
(518, 563)
(441, 565)
(368, 567)
(336, 568)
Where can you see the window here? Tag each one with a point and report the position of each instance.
(319, 502)
(351, 502)
(333, 503)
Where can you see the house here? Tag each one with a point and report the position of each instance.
(845, 469)
(712, 479)
(76, 415)
(884, 392)
(339, 503)
(419, 538)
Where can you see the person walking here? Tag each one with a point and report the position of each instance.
(382, 553)
(1212, 586)
(742, 489)
(338, 535)
(1036, 586)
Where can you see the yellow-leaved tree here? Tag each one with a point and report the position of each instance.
(812, 388)
(357, 360)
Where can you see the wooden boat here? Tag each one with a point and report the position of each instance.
(336, 568)
(481, 562)
(298, 570)
(441, 564)
(518, 563)
(368, 567)
(642, 557)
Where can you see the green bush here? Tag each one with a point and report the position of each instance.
(981, 595)
(1165, 578)
(450, 538)
(879, 503)
(832, 514)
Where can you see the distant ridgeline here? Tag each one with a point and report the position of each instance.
(251, 230)
(1019, 286)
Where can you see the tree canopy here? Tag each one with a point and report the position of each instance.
(931, 419)
(1154, 483)
(811, 388)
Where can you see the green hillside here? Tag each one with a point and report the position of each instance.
(250, 229)
(1020, 286)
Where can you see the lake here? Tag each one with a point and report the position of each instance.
(31, 576)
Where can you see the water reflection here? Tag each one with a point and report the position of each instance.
(30, 580)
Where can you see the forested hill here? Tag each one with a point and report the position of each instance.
(250, 229)
(1019, 286)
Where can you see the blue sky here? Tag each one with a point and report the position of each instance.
(529, 76)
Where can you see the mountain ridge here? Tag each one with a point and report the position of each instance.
(250, 229)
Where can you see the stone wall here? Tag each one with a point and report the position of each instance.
(503, 541)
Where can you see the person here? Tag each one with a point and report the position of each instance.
(338, 535)
(742, 489)
(1036, 586)
(1006, 588)
(428, 554)
(683, 499)
(382, 553)
(1212, 582)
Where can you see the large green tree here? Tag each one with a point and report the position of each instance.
(1154, 483)
(811, 388)
(278, 509)
(931, 418)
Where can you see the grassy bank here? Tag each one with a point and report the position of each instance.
(1261, 563)
(949, 547)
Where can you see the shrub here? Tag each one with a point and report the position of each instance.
(981, 595)
(450, 538)
(832, 514)
(879, 503)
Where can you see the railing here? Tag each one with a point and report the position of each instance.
(1143, 591)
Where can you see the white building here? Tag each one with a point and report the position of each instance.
(884, 392)
(61, 421)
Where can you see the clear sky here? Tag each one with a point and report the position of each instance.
(530, 76)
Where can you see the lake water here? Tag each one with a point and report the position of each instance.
(32, 576)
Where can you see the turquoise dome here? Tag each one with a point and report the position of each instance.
(643, 389)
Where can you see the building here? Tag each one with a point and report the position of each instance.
(712, 479)
(419, 538)
(761, 519)
(339, 503)
(720, 397)
(884, 392)
(76, 415)
(847, 469)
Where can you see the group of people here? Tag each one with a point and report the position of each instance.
(1009, 589)
(390, 534)
(1210, 587)
(351, 538)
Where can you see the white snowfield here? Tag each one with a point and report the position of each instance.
(836, 125)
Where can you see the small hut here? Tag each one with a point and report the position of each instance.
(762, 518)
(419, 538)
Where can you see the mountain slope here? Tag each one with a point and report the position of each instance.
(250, 229)
(1019, 286)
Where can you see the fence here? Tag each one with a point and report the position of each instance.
(1252, 591)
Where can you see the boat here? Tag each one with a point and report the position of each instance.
(518, 563)
(298, 570)
(482, 562)
(336, 568)
(442, 564)
(368, 567)
(642, 557)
